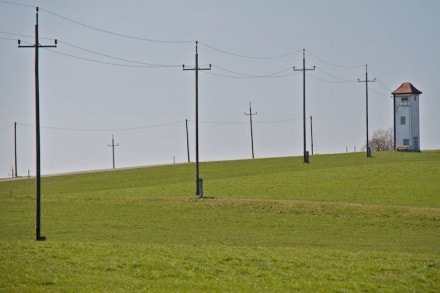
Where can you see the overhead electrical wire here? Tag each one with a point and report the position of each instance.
(277, 121)
(379, 93)
(144, 64)
(246, 123)
(17, 4)
(383, 85)
(117, 58)
(335, 77)
(326, 80)
(114, 33)
(6, 127)
(15, 34)
(247, 56)
(8, 39)
(251, 75)
(239, 75)
(334, 64)
(109, 63)
(140, 64)
(106, 129)
(246, 77)
(223, 122)
(379, 81)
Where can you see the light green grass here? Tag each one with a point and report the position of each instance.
(343, 222)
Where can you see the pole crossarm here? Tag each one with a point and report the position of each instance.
(37, 45)
(304, 69)
(366, 105)
(196, 69)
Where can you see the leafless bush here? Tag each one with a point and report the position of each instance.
(382, 140)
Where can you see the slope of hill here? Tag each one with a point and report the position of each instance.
(343, 222)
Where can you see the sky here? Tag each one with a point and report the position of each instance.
(117, 70)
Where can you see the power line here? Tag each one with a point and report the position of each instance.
(17, 35)
(334, 64)
(114, 33)
(380, 82)
(335, 77)
(243, 123)
(326, 80)
(275, 74)
(17, 4)
(140, 63)
(6, 127)
(381, 94)
(247, 77)
(106, 129)
(247, 56)
(8, 39)
(116, 58)
(112, 63)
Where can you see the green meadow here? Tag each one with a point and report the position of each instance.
(343, 222)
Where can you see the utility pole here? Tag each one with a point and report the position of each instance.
(113, 149)
(366, 104)
(304, 69)
(250, 121)
(37, 45)
(311, 133)
(187, 140)
(15, 149)
(196, 69)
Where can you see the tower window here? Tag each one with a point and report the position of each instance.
(402, 120)
(406, 141)
(404, 101)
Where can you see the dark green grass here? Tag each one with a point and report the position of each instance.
(343, 222)
(79, 266)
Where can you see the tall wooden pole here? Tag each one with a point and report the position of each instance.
(304, 69)
(15, 150)
(196, 69)
(37, 127)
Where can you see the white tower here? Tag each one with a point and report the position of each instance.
(406, 118)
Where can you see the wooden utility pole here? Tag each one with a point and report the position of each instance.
(250, 121)
(113, 149)
(366, 104)
(311, 133)
(196, 69)
(37, 45)
(304, 69)
(15, 150)
(187, 140)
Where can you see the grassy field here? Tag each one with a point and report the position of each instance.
(341, 223)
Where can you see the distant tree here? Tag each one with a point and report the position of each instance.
(382, 140)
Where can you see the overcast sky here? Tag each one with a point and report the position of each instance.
(99, 80)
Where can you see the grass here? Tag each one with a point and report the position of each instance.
(341, 223)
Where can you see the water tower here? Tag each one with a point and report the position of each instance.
(406, 118)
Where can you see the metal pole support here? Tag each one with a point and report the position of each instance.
(306, 157)
(200, 187)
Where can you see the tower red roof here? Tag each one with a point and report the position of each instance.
(406, 88)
